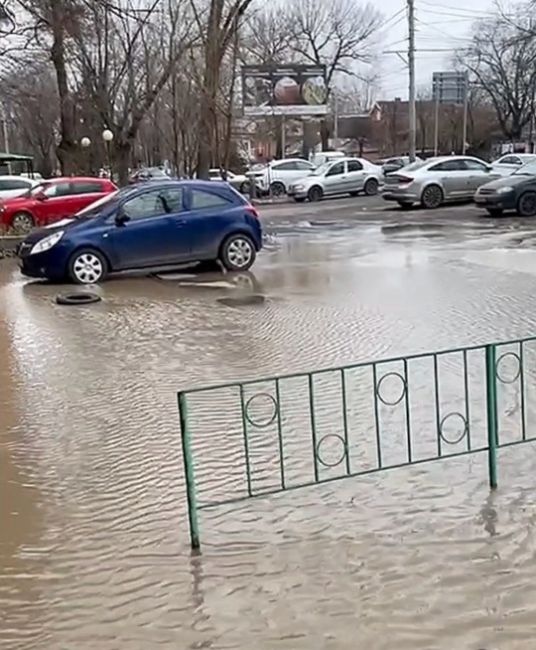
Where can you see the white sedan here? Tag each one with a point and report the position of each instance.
(239, 181)
(346, 176)
(12, 186)
(509, 163)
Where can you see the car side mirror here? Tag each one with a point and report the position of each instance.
(41, 196)
(121, 218)
(489, 168)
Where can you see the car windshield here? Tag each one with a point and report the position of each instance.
(320, 171)
(37, 189)
(96, 208)
(527, 170)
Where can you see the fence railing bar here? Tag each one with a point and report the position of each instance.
(408, 416)
(189, 473)
(361, 364)
(365, 472)
(313, 425)
(345, 420)
(437, 407)
(522, 389)
(491, 406)
(280, 434)
(377, 416)
(246, 441)
(466, 394)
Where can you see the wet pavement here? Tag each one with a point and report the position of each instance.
(93, 538)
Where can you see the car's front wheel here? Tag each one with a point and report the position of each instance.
(22, 222)
(87, 266)
(238, 253)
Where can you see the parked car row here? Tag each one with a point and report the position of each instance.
(436, 181)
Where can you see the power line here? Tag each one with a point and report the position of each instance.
(469, 12)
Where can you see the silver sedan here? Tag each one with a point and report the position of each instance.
(340, 176)
(437, 180)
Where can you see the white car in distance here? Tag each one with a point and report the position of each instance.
(13, 186)
(277, 176)
(346, 176)
(239, 181)
(510, 162)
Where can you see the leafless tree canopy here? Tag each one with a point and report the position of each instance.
(162, 75)
(502, 60)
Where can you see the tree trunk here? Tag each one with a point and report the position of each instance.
(66, 150)
(324, 135)
(121, 154)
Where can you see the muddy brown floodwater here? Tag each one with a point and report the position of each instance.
(93, 535)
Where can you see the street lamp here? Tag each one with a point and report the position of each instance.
(85, 143)
(108, 137)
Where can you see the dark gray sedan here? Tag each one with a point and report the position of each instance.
(516, 192)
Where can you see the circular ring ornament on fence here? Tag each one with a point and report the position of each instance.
(402, 393)
(461, 436)
(338, 460)
(500, 362)
(261, 401)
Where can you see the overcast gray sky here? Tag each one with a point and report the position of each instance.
(440, 24)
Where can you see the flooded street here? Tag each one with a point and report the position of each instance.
(94, 540)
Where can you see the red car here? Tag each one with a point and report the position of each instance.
(52, 200)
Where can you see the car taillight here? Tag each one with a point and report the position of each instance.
(404, 179)
(252, 211)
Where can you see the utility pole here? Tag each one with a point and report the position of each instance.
(411, 64)
(465, 114)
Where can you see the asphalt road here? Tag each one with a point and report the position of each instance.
(367, 209)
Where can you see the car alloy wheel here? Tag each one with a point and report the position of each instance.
(314, 194)
(371, 187)
(87, 267)
(526, 206)
(432, 197)
(277, 189)
(238, 253)
(22, 222)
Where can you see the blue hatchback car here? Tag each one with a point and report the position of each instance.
(155, 225)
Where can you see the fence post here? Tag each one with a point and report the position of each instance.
(491, 403)
(189, 474)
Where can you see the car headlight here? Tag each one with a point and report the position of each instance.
(505, 190)
(299, 188)
(47, 243)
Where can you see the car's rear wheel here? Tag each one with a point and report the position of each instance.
(315, 194)
(238, 253)
(432, 197)
(495, 212)
(526, 205)
(405, 205)
(22, 222)
(371, 187)
(277, 189)
(87, 266)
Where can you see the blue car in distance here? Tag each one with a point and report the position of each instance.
(157, 224)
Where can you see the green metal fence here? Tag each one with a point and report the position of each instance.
(261, 437)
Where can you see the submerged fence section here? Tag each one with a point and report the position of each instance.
(270, 435)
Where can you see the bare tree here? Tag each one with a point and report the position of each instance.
(218, 28)
(502, 60)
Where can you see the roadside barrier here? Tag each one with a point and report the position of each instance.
(261, 437)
